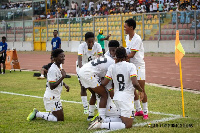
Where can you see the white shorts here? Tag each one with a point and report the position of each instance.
(88, 78)
(52, 104)
(125, 108)
(140, 73)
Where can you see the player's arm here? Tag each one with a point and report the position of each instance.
(105, 81)
(79, 61)
(111, 92)
(138, 87)
(100, 52)
(106, 38)
(134, 49)
(132, 54)
(54, 84)
(136, 84)
(66, 86)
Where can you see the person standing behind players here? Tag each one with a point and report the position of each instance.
(56, 41)
(124, 76)
(53, 91)
(87, 51)
(101, 39)
(136, 55)
(3, 48)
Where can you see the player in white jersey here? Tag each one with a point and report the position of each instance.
(87, 51)
(136, 54)
(125, 82)
(112, 113)
(52, 94)
(90, 77)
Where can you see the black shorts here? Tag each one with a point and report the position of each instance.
(3, 58)
(47, 66)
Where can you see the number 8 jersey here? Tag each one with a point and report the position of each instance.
(121, 74)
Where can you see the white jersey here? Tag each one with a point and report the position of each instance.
(108, 54)
(136, 45)
(88, 55)
(121, 74)
(99, 66)
(53, 75)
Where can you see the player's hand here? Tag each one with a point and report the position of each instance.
(109, 35)
(67, 87)
(141, 94)
(63, 72)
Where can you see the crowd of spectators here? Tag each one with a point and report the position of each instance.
(106, 7)
(16, 5)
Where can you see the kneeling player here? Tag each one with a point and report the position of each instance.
(53, 91)
(125, 82)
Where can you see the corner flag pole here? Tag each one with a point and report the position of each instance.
(179, 53)
(182, 88)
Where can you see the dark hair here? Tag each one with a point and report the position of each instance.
(89, 35)
(121, 52)
(3, 37)
(56, 30)
(113, 43)
(131, 22)
(56, 52)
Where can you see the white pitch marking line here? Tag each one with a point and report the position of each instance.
(11, 93)
(146, 123)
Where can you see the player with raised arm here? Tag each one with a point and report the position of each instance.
(87, 51)
(53, 91)
(124, 76)
(135, 51)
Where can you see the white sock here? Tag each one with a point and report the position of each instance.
(113, 125)
(46, 115)
(42, 75)
(137, 105)
(91, 110)
(112, 119)
(102, 113)
(85, 102)
(145, 108)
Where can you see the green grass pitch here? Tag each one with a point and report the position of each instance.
(15, 108)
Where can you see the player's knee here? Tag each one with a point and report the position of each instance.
(60, 118)
(128, 125)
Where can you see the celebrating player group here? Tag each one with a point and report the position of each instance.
(112, 79)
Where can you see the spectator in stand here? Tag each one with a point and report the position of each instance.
(91, 6)
(73, 5)
(151, 7)
(83, 6)
(98, 6)
(155, 8)
(160, 7)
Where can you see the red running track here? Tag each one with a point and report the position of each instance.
(159, 70)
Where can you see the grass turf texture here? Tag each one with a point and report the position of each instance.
(15, 109)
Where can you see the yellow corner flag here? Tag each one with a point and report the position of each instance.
(179, 53)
